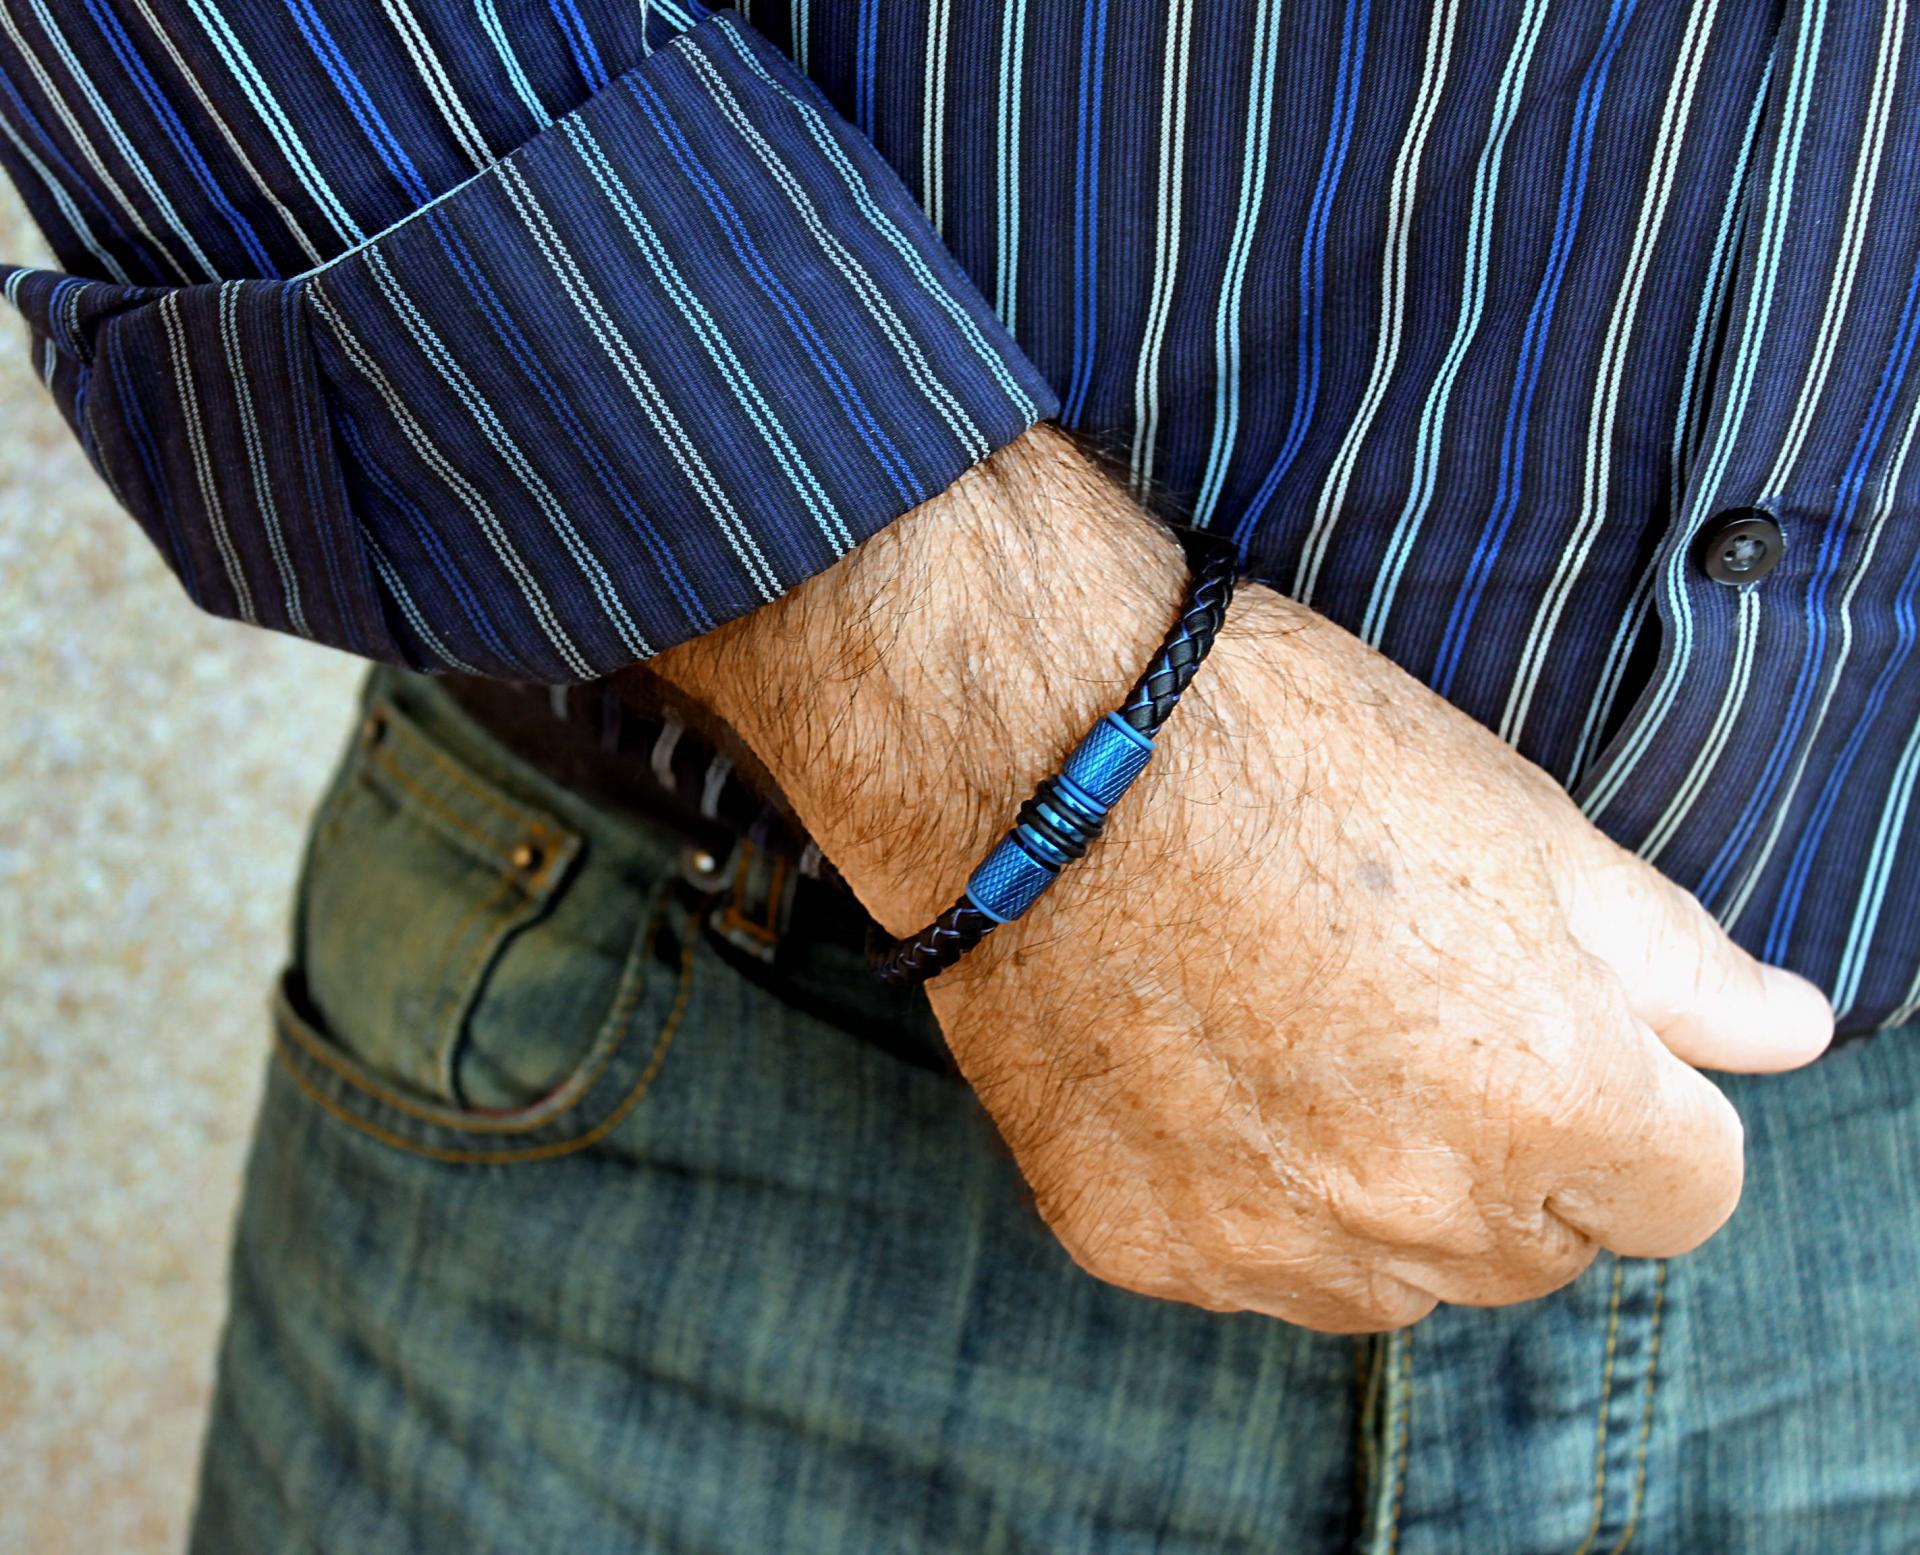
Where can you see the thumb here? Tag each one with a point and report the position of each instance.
(1711, 1003)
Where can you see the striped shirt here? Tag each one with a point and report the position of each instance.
(530, 337)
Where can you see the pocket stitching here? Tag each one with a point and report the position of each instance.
(467, 990)
(289, 1025)
(656, 1059)
(534, 824)
(397, 769)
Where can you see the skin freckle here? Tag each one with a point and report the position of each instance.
(1374, 876)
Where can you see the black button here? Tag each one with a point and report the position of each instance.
(1741, 545)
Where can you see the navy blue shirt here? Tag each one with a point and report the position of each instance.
(533, 336)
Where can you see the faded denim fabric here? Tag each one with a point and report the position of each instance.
(574, 1227)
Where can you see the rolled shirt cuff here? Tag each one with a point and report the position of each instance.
(668, 359)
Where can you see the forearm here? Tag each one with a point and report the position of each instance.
(1350, 1010)
(905, 699)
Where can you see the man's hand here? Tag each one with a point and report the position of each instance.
(1349, 1012)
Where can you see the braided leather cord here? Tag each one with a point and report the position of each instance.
(1156, 693)
(935, 948)
(923, 956)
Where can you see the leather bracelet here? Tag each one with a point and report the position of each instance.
(1068, 810)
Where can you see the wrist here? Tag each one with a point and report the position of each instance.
(907, 699)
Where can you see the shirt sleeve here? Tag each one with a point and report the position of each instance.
(680, 349)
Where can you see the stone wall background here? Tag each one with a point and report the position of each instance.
(155, 770)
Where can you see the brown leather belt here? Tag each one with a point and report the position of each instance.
(633, 749)
(627, 749)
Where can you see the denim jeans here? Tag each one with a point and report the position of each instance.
(585, 1217)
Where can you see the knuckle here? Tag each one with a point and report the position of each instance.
(1703, 1227)
(1664, 1192)
(1390, 1303)
(1622, 1116)
(1701, 1141)
(1348, 1314)
(1540, 1271)
(1229, 1231)
(1707, 1180)
(1406, 1200)
(1534, 1254)
(1683, 1228)
(1542, 1082)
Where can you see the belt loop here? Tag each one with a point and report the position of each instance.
(754, 914)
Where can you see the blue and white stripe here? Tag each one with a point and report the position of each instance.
(532, 343)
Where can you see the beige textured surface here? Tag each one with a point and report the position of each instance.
(155, 771)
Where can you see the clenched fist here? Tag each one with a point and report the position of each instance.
(1349, 1012)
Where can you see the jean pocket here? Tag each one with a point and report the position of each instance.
(465, 961)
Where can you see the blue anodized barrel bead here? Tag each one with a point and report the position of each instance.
(1103, 766)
